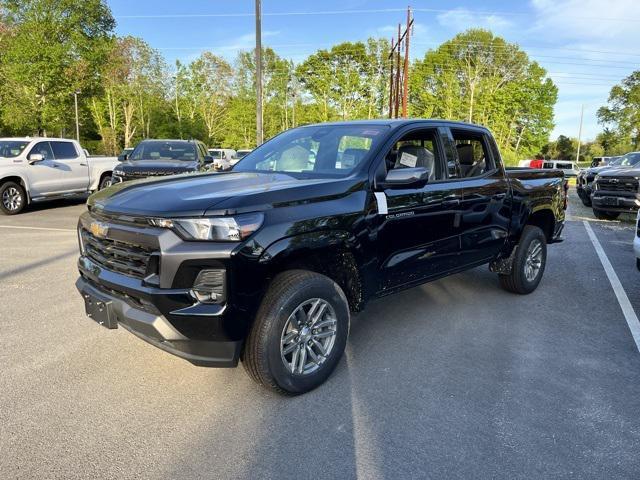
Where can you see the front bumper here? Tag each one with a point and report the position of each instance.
(158, 306)
(158, 331)
(615, 201)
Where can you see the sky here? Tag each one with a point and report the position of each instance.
(586, 46)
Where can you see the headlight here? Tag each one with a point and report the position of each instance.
(217, 229)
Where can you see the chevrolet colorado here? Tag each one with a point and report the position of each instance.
(265, 263)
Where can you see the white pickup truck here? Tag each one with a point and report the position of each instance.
(38, 169)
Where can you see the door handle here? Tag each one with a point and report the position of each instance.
(83, 164)
(55, 165)
(451, 203)
(499, 196)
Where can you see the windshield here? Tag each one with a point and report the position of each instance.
(628, 160)
(323, 150)
(12, 148)
(164, 151)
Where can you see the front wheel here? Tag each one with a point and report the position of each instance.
(529, 262)
(299, 334)
(13, 198)
(604, 215)
(105, 182)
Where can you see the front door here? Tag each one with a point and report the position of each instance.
(419, 233)
(44, 176)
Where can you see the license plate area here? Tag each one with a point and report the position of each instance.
(610, 201)
(100, 311)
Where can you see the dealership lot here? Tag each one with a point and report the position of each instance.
(456, 378)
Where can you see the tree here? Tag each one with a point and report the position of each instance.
(132, 90)
(623, 112)
(348, 81)
(478, 77)
(56, 48)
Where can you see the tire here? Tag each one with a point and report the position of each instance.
(105, 182)
(518, 281)
(604, 215)
(13, 198)
(586, 201)
(263, 356)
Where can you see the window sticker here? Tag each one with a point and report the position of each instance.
(408, 160)
(348, 161)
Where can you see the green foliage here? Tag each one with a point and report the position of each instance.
(56, 47)
(478, 77)
(622, 115)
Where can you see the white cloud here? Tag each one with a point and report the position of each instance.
(463, 19)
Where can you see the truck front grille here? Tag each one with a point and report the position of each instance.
(137, 175)
(117, 256)
(618, 184)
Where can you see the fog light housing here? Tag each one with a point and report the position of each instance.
(210, 286)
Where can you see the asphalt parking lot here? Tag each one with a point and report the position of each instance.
(454, 379)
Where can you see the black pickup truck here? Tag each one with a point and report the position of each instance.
(265, 263)
(159, 158)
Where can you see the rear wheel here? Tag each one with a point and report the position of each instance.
(604, 215)
(13, 198)
(299, 333)
(529, 262)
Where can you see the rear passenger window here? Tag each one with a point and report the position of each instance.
(64, 150)
(473, 154)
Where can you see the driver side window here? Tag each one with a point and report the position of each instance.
(44, 149)
(417, 149)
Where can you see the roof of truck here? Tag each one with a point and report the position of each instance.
(30, 139)
(399, 122)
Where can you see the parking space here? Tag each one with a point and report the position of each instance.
(453, 379)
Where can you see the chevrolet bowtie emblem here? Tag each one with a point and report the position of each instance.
(98, 229)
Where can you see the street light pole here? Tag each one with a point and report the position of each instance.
(75, 101)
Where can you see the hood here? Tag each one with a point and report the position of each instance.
(621, 172)
(214, 194)
(150, 166)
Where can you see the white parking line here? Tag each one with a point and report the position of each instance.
(627, 309)
(40, 228)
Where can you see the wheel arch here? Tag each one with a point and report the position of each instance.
(19, 180)
(543, 219)
(327, 253)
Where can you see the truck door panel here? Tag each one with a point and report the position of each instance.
(44, 176)
(419, 234)
(486, 204)
(72, 166)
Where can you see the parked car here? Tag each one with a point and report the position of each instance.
(584, 181)
(154, 158)
(124, 155)
(265, 263)
(570, 169)
(223, 158)
(602, 161)
(615, 190)
(240, 154)
(39, 169)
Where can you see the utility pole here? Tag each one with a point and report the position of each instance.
(399, 82)
(580, 133)
(75, 101)
(405, 92)
(259, 131)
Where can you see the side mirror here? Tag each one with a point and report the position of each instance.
(123, 157)
(35, 158)
(208, 160)
(406, 178)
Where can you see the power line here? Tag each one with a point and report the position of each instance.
(358, 12)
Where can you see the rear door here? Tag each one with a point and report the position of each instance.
(419, 231)
(72, 165)
(487, 203)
